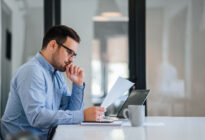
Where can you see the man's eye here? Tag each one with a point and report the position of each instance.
(69, 52)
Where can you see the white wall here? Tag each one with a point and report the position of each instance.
(18, 29)
(34, 31)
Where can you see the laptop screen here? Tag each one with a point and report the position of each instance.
(136, 97)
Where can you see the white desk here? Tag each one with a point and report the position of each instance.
(155, 128)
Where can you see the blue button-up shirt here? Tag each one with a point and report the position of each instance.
(39, 99)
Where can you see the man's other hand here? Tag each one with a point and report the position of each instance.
(94, 113)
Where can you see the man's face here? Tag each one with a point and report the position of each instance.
(64, 55)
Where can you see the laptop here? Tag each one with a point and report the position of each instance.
(136, 97)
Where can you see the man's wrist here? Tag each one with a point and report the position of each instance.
(79, 83)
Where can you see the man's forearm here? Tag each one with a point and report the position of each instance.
(76, 101)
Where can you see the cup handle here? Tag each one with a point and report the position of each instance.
(125, 113)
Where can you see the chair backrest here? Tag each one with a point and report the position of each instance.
(24, 135)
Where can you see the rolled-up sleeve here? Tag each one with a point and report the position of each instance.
(33, 97)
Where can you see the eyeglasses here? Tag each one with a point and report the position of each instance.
(70, 52)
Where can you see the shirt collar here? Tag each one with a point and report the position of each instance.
(45, 64)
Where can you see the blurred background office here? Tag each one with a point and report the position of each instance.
(175, 38)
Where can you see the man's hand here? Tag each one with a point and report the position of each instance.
(75, 74)
(94, 113)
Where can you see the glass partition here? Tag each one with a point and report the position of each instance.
(175, 57)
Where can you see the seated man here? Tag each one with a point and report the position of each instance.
(39, 98)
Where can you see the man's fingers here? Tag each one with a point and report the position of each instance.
(68, 70)
(99, 117)
(101, 109)
(75, 69)
(98, 113)
(78, 69)
(68, 66)
(71, 69)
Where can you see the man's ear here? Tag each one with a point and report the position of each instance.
(52, 45)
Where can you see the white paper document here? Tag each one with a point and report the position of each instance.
(120, 87)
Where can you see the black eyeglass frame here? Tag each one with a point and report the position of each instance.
(68, 49)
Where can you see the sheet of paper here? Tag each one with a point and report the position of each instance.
(120, 87)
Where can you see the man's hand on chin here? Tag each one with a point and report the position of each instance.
(75, 74)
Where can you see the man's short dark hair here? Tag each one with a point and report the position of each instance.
(60, 34)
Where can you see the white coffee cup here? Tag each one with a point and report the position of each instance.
(136, 114)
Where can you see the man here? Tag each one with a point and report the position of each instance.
(39, 98)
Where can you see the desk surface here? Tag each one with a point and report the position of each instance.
(155, 128)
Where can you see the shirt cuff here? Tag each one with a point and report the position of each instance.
(78, 116)
(79, 87)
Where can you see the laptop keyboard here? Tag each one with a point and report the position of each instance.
(110, 118)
